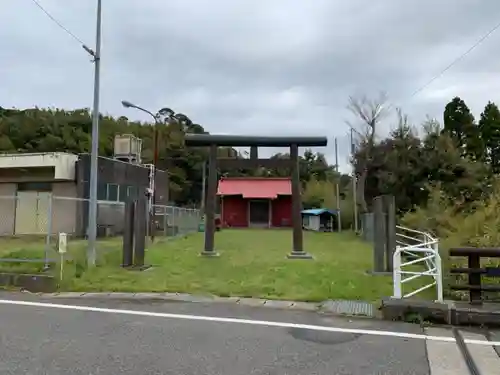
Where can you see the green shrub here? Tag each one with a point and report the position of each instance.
(455, 226)
(347, 214)
(23, 267)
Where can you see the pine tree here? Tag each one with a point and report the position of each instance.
(459, 125)
(489, 126)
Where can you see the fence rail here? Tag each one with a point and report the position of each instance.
(475, 271)
(416, 256)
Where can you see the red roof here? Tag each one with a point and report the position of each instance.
(256, 187)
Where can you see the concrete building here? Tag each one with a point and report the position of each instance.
(36, 187)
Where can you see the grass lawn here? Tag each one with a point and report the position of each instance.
(252, 264)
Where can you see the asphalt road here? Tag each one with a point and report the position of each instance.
(40, 339)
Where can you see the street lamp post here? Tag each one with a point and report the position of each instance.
(92, 219)
(164, 112)
(354, 178)
(354, 185)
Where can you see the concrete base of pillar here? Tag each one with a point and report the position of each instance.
(209, 254)
(299, 255)
(144, 267)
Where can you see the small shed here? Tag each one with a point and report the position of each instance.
(319, 219)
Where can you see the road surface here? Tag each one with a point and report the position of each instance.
(57, 336)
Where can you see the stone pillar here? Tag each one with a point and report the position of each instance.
(380, 235)
(298, 245)
(389, 204)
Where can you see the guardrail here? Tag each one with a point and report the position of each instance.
(414, 250)
(475, 286)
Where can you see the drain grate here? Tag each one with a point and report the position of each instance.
(354, 308)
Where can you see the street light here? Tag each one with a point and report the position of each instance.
(167, 114)
(354, 184)
(94, 155)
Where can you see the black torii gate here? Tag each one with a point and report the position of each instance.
(214, 141)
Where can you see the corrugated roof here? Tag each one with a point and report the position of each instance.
(319, 211)
(263, 188)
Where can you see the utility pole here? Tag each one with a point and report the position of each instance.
(203, 187)
(354, 188)
(337, 186)
(92, 223)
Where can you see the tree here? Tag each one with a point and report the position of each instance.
(53, 130)
(319, 194)
(369, 113)
(459, 123)
(489, 126)
(311, 165)
(395, 166)
(463, 179)
(407, 166)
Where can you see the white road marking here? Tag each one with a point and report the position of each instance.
(444, 358)
(245, 321)
(486, 358)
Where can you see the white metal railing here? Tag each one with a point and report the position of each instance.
(424, 251)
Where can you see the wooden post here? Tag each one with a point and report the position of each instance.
(141, 215)
(210, 203)
(475, 296)
(128, 234)
(298, 245)
(254, 152)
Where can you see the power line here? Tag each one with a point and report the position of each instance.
(448, 67)
(53, 19)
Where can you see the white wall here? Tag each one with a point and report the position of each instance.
(63, 163)
(311, 222)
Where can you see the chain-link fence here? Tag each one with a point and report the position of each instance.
(171, 221)
(30, 224)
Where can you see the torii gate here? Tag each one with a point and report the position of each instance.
(214, 141)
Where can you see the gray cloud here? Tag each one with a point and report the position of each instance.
(268, 67)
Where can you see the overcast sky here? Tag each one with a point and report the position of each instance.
(258, 67)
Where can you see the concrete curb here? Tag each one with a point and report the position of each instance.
(448, 312)
(347, 308)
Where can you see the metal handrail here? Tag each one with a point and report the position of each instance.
(427, 252)
(405, 229)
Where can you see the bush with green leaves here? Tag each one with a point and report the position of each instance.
(476, 226)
